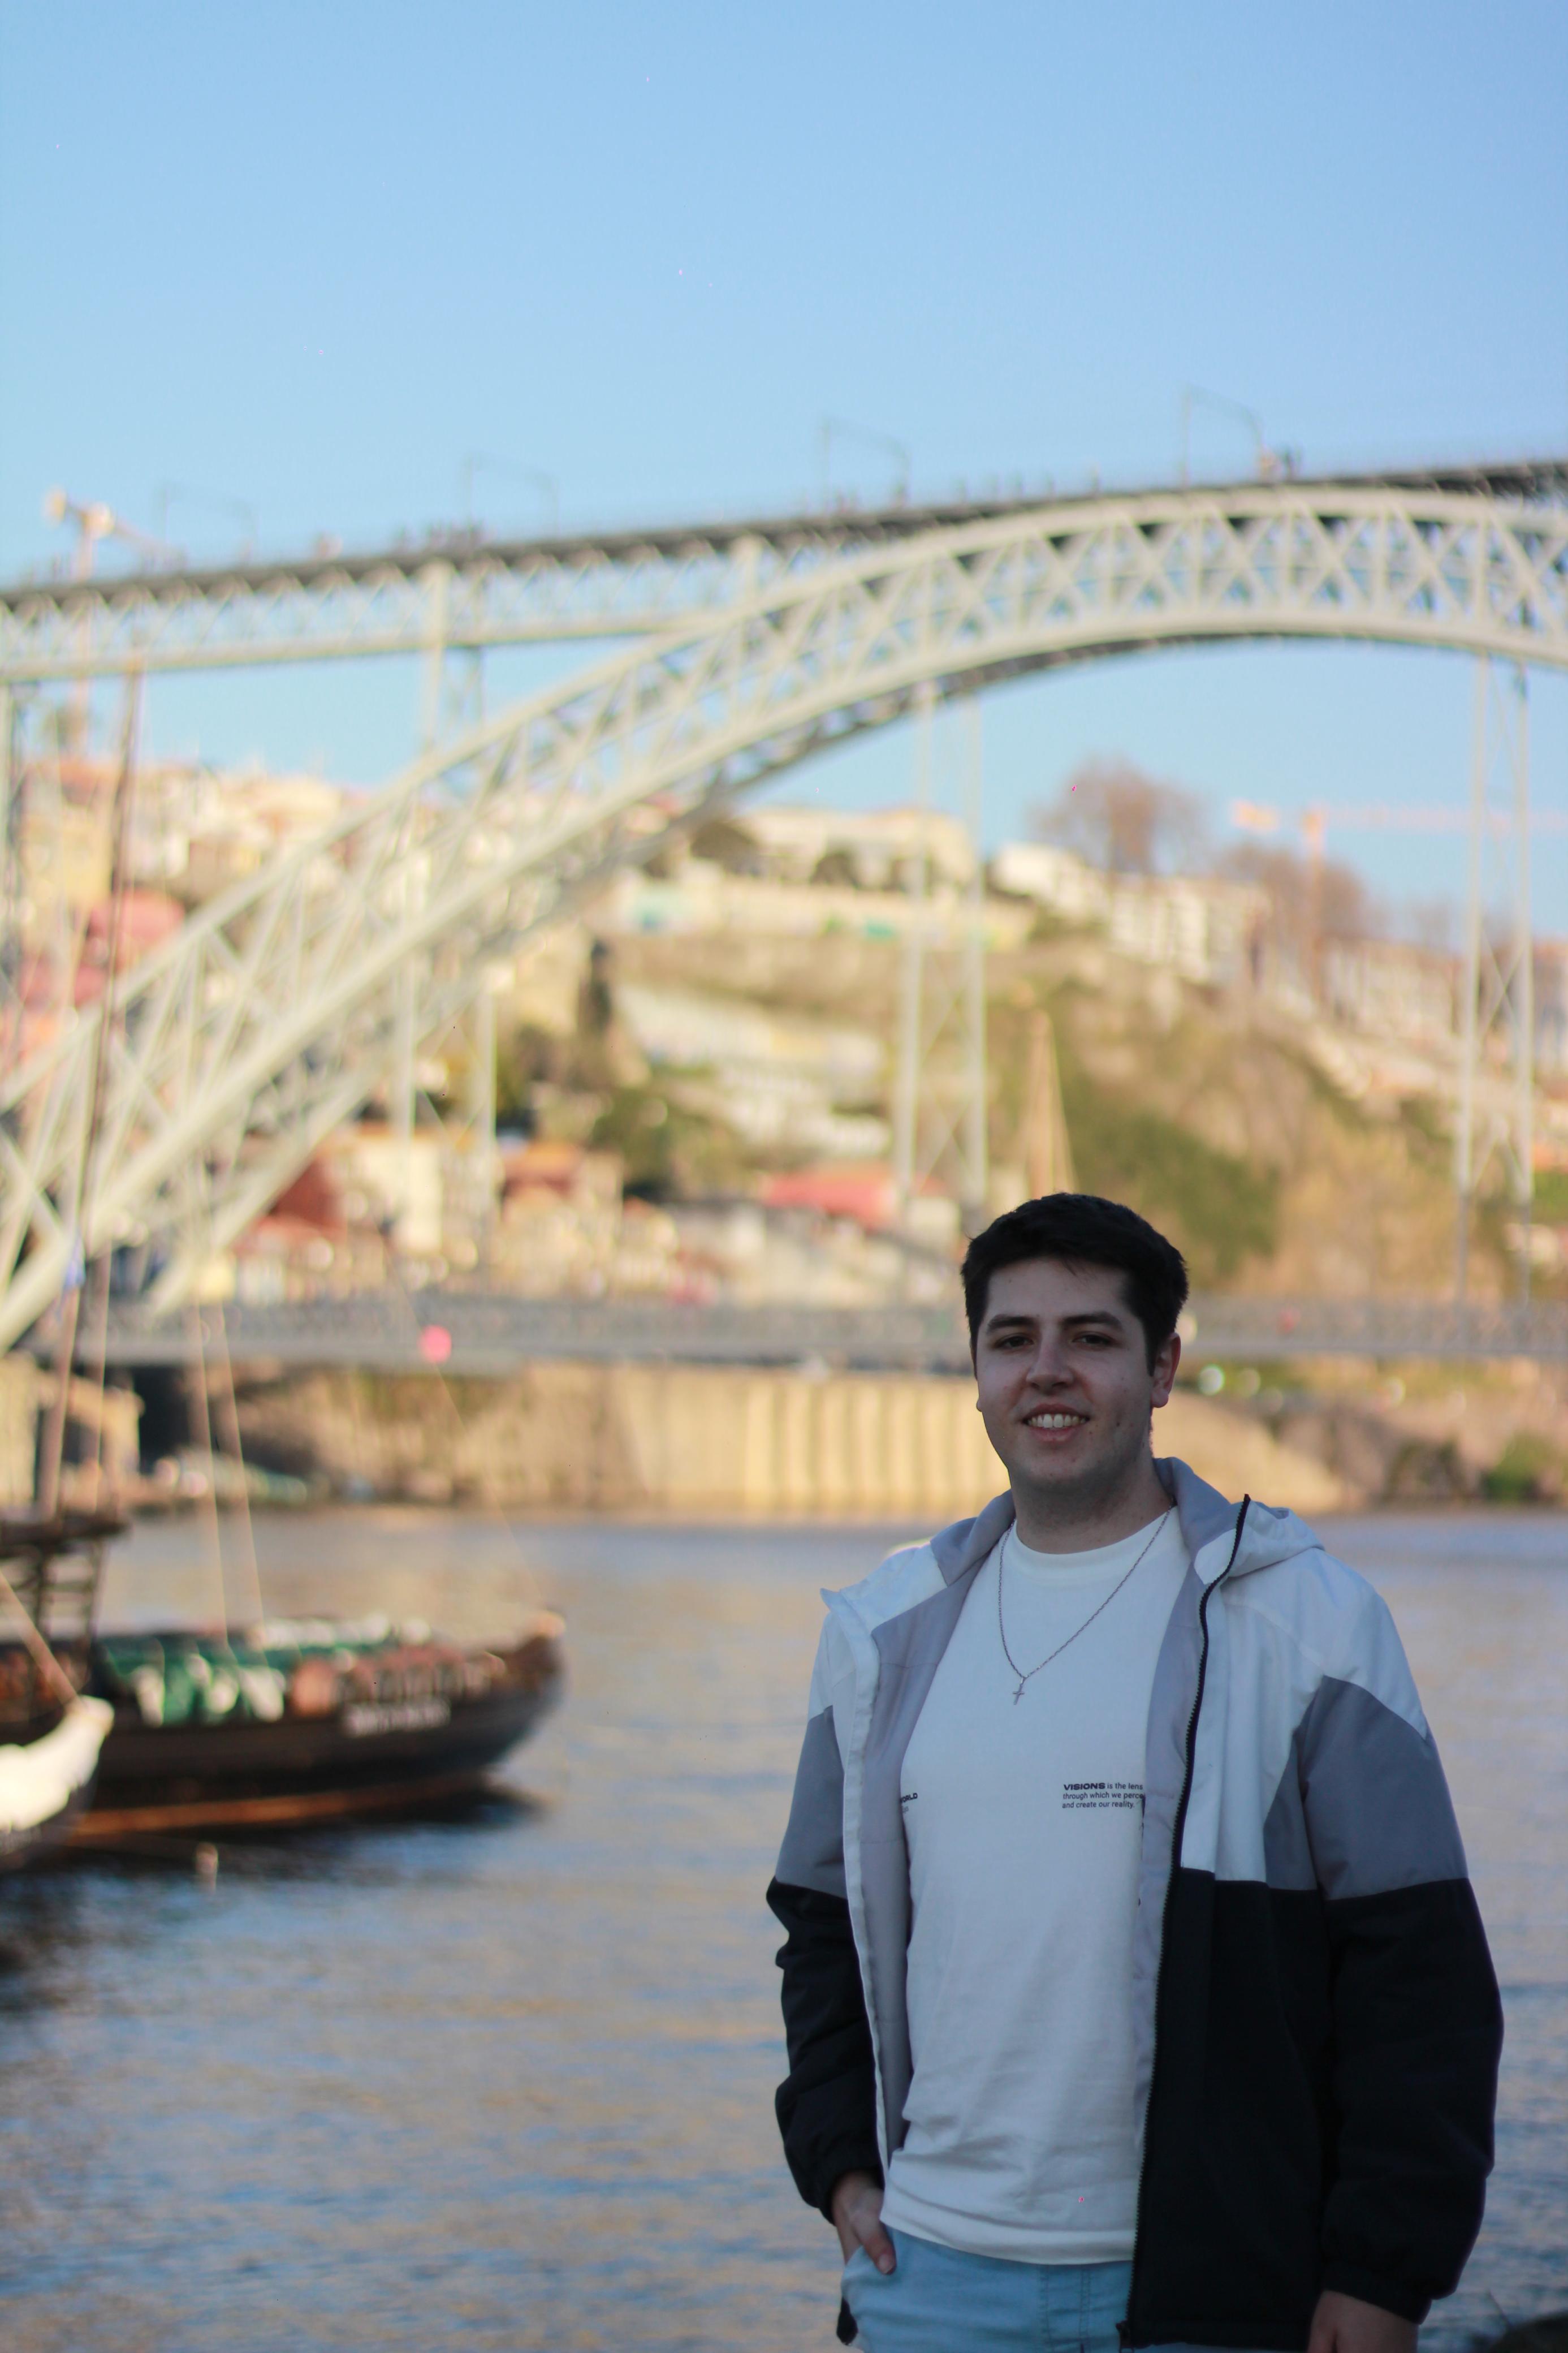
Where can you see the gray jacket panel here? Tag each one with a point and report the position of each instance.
(911, 1649)
(812, 1855)
(1348, 1742)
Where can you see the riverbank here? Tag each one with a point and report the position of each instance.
(697, 1442)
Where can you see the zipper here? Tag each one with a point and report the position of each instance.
(1178, 1832)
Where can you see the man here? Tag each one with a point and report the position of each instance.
(1133, 1983)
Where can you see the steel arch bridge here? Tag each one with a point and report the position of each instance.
(274, 1013)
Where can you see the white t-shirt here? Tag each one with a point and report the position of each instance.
(1024, 1819)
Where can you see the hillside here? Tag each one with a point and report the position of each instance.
(1210, 1116)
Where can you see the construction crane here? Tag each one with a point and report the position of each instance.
(1374, 817)
(93, 520)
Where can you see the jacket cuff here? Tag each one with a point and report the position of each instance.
(1371, 2287)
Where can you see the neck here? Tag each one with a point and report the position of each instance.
(1074, 1519)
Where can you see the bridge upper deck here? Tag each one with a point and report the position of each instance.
(460, 589)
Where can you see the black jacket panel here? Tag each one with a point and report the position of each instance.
(1321, 2111)
(1238, 2130)
(826, 2105)
(1418, 2037)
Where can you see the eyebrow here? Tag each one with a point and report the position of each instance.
(1005, 1321)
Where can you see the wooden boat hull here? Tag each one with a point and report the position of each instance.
(365, 1757)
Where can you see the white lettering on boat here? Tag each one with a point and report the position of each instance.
(395, 1716)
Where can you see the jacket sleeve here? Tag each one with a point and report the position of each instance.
(1418, 2024)
(826, 2105)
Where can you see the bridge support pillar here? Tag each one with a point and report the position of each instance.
(436, 581)
(10, 882)
(1495, 1112)
(940, 1110)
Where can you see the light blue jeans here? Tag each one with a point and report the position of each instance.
(939, 2301)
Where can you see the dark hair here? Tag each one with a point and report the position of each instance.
(1084, 1230)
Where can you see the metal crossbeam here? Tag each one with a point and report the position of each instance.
(273, 1014)
(469, 592)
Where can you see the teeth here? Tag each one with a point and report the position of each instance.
(1055, 1421)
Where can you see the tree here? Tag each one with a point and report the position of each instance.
(722, 842)
(1123, 821)
(1308, 905)
(837, 869)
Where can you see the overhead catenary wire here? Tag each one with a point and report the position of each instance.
(52, 1445)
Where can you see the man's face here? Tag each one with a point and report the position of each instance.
(1066, 1390)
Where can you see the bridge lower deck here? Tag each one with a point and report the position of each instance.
(487, 1333)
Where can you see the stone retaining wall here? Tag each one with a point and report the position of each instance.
(697, 1439)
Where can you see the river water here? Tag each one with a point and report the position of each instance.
(505, 2082)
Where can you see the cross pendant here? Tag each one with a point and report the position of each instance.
(1018, 1695)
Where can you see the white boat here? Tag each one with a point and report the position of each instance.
(46, 1782)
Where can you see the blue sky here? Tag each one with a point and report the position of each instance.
(312, 258)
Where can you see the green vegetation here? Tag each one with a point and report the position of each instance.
(670, 1151)
(1346, 1114)
(1552, 1196)
(1426, 1131)
(1528, 1470)
(528, 1055)
(1425, 1471)
(1218, 1209)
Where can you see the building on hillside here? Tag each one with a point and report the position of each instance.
(1063, 883)
(864, 1194)
(1204, 928)
(1388, 988)
(779, 1079)
(1551, 978)
(702, 898)
(865, 849)
(195, 829)
(1207, 929)
(562, 1229)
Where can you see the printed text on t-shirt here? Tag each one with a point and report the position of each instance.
(1100, 1797)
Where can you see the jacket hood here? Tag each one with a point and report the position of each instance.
(1208, 1522)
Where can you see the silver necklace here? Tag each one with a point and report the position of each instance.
(1029, 1677)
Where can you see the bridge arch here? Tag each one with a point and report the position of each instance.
(274, 1012)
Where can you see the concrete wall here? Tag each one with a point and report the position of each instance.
(694, 1440)
(26, 1391)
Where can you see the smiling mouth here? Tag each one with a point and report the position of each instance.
(1055, 1420)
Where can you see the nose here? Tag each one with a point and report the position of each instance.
(1049, 1368)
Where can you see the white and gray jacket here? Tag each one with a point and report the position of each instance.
(1316, 2019)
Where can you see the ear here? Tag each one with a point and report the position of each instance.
(1166, 1358)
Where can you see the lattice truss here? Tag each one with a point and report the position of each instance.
(1341, 550)
(393, 604)
(236, 1047)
